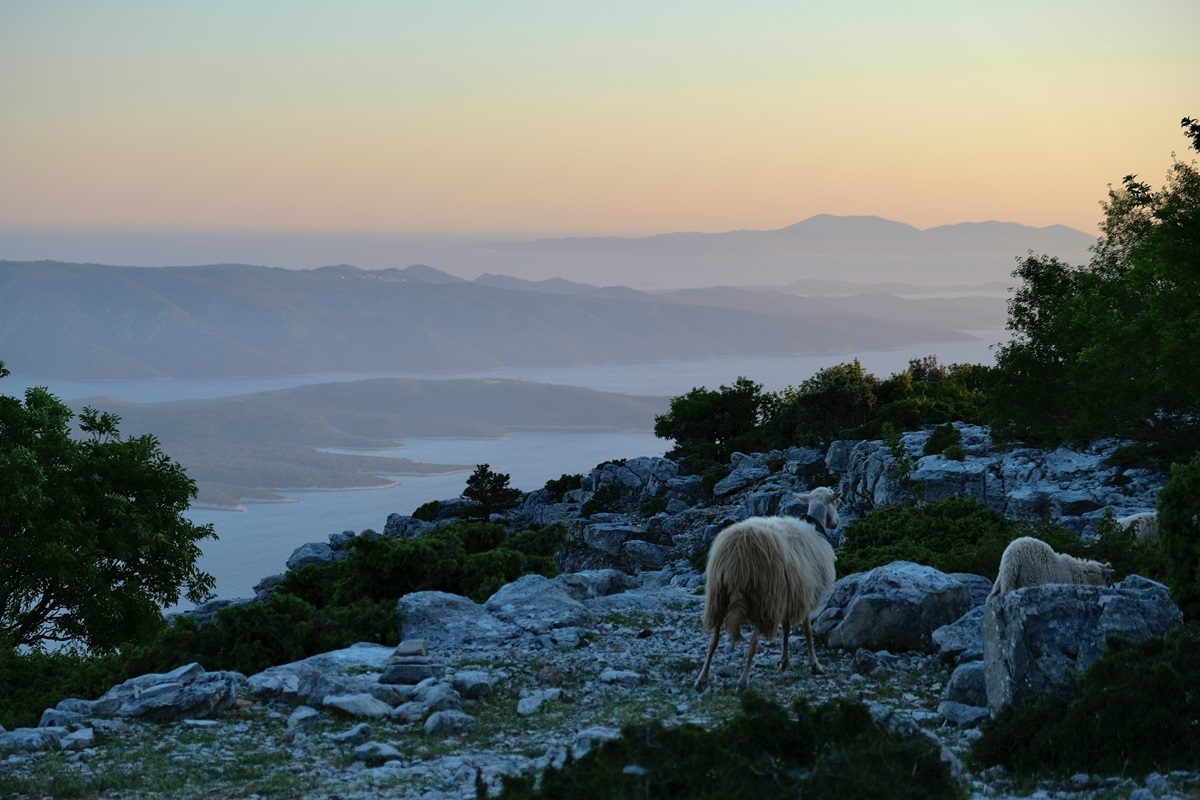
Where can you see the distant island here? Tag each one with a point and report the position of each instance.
(97, 322)
(238, 449)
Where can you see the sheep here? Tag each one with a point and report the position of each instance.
(769, 571)
(1031, 562)
(1144, 525)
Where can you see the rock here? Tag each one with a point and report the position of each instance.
(409, 648)
(411, 673)
(264, 586)
(621, 677)
(978, 587)
(78, 740)
(399, 526)
(472, 684)
(437, 696)
(594, 583)
(967, 685)
(765, 503)
(337, 541)
(303, 719)
(449, 723)
(355, 736)
(1038, 641)
(313, 553)
(411, 711)
(351, 670)
(450, 621)
(963, 716)
(608, 537)
(31, 740)
(528, 706)
(894, 607)
(589, 738)
(358, 705)
(741, 477)
(376, 752)
(537, 604)
(645, 555)
(961, 640)
(188, 691)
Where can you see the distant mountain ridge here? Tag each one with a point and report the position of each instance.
(829, 234)
(90, 321)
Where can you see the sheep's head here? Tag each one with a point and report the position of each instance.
(822, 505)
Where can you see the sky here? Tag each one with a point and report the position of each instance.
(510, 118)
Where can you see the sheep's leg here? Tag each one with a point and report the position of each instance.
(702, 680)
(785, 660)
(745, 681)
(812, 650)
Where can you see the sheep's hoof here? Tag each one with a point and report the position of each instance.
(700, 684)
(817, 669)
(742, 685)
(783, 665)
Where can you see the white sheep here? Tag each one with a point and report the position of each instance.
(769, 571)
(1144, 525)
(1031, 562)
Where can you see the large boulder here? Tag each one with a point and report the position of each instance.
(449, 620)
(351, 670)
(187, 692)
(537, 604)
(399, 526)
(1040, 640)
(311, 554)
(594, 583)
(961, 640)
(894, 607)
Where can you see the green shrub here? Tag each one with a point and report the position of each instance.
(603, 499)
(653, 506)
(428, 511)
(1135, 713)
(34, 681)
(775, 464)
(954, 452)
(942, 437)
(557, 487)
(956, 534)
(1179, 533)
(711, 476)
(764, 752)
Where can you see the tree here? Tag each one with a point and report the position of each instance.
(92, 538)
(1179, 533)
(828, 405)
(1113, 347)
(490, 490)
(710, 425)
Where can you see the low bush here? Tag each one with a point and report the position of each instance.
(956, 534)
(557, 487)
(603, 499)
(653, 506)
(764, 752)
(943, 436)
(1135, 713)
(428, 511)
(954, 452)
(32, 682)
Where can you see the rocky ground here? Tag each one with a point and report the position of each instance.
(547, 667)
(530, 699)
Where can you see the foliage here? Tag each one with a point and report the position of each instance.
(942, 437)
(276, 630)
(926, 393)
(95, 541)
(491, 490)
(956, 534)
(954, 452)
(34, 681)
(473, 559)
(1179, 534)
(428, 512)
(904, 462)
(603, 499)
(653, 506)
(1111, 348)
(715, 424)
(763, 752)
(827, 406)
(557, 487)
(1135, 713)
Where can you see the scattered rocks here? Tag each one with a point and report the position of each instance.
(355, 736)
(357, 705)
(449, 723)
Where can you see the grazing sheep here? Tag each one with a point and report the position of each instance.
(1143, 524)
(769, 571)
(1031, 562)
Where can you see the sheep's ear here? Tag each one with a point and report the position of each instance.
(837, 495)
(804, 498)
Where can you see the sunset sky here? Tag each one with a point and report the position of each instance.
(556, 117)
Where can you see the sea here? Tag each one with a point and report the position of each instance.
(257, 541)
